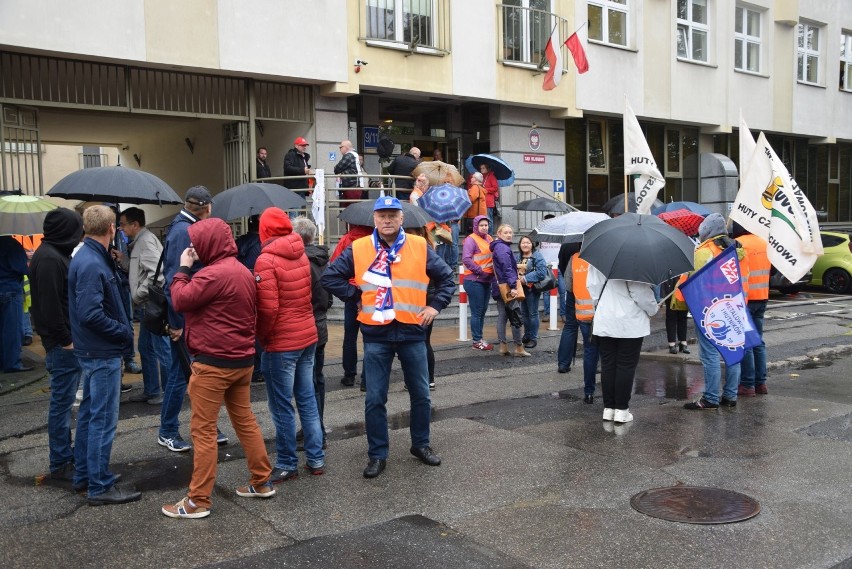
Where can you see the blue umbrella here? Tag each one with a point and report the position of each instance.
(503, 172)
(689, 206)
(468, 165)
(445, 202)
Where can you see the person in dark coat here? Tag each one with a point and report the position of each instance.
(321, 301)
(297, 162)
(403, 165)
(505, 272)
(248, 250)
(262, 167)
(63, 229)
(13, 268)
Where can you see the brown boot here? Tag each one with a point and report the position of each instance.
(504, 349)
(520, 352)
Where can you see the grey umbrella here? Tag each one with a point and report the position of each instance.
(544, 204)
(361, 213)
(567, 228)
(114, 184)
(615, 205)
(253, 198)
(636, 247)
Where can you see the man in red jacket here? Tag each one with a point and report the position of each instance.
(218, 304)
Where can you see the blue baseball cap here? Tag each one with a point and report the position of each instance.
(387, 202)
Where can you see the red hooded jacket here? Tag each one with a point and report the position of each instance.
(218, 302)
(285, 316)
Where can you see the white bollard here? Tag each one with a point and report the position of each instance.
(462, 307)
(554, 297)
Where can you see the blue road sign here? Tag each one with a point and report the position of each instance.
(558, 186)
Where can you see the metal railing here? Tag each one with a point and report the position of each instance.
(528, 220)
(410, 24)
(523, 33)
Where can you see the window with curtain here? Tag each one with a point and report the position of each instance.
(608, 21)
(747, 42)
(693, 30)
(407, 21)
(808, 53)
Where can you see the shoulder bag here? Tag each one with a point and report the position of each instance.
(545, 284)
(156, 319)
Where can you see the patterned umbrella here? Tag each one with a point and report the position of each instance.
(438, 173)
(683, 219)
(445, 202)
(23, 215)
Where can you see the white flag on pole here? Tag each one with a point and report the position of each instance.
(639, 160)
(318, 205)
(770, 204)
(747, 145)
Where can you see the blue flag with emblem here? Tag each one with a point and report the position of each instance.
(714, 295)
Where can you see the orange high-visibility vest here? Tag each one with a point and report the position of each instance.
(583, 304)
(483, 258)
(759, 266)
(408, 276)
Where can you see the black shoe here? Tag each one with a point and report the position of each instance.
(375, 467)
(258, 378)
(28, 340)
(530, 344)
(132, 367)
(431, 385)
(280, 475)
(728, 402)
(64, 474)
(426, 456)
(18, 369)
(84, 485)
(672, 349)
(588, 398)
(348, 380)
(699, 405)
(126, 388)
(564, 369)
(363, 386)
(115, 495)
(683, 349)
(525, 338)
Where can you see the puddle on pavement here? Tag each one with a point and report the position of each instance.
(663, 380)
(816, 364)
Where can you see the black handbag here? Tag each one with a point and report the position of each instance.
(545, 284)
(156, 319)
(513, 313)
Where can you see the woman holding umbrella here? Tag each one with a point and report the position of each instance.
(505, 272)
(492, 191)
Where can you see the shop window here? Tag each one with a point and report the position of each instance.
(608, 21)
(747, 40)
(808, 54)
(693, 30)
(526, 28)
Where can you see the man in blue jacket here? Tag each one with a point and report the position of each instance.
(102, 336)
(197, 206)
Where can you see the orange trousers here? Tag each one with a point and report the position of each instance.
(209, 387)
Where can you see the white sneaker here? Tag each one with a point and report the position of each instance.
(623, 416)
(78, 398)
(608, 414)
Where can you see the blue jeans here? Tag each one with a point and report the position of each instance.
(753, 365)
(26, 324)
(11, 308)
(173, 394)
(96, 423)
(378, 357)
(350, 339)
(290, 375)
(155, 358)
(64, 370)
(711, 359)
(477, 297)
(568, 339)
(565, 354)
(319, 384)
(529, 311)
(455, 227)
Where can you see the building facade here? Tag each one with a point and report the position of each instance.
(188, 90)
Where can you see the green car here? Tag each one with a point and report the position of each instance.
(833, 269)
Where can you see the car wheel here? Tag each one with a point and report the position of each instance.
(836, 281)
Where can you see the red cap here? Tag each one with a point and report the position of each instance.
(300, 141)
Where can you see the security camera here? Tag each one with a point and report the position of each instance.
(360, 62)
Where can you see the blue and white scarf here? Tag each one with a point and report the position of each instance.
(379, 274)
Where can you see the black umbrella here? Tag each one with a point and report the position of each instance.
(361, 213)
(615, 206)
(544, 204)
(636, 247)
(114, 184)
(253, 198)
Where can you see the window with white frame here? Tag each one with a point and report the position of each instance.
(846, 61)
(693, 29)
(526, 28)
(407, 21)
(608, 21)
(808, 53)
(747, 43)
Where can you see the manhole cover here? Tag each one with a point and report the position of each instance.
(695, 505)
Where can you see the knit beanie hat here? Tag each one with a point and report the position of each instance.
(713, 224)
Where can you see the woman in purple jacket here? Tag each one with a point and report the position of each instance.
(505, 271)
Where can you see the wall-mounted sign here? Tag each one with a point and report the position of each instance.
(535, 140)
(371, 137)
(534, 159)
(332, 156)
(558, 186)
